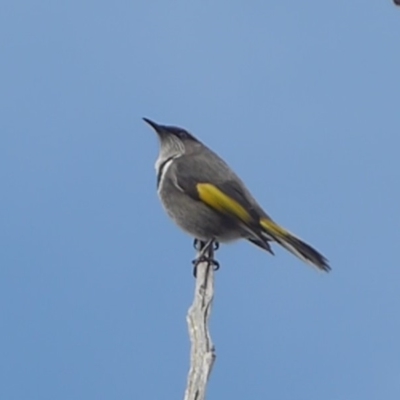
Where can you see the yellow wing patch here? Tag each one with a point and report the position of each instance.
(271, 226)
(215, 198)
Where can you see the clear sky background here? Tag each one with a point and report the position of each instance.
(303, 101)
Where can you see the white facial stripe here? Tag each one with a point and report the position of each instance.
(162, 170)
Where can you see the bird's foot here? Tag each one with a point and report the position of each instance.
(206, 250)
(208, 260)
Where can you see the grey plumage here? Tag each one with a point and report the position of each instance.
(225, 210)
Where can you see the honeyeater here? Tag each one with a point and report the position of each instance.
(205, 198)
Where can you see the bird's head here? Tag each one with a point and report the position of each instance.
(174, 141)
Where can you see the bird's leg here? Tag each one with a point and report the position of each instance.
(199, 245)
(206, 250)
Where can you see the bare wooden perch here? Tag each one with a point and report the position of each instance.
(202, 354)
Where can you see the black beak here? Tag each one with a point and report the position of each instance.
(156, 127)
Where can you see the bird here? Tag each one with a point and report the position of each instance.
(207, 200)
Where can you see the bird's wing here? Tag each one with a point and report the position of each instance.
(224, 195)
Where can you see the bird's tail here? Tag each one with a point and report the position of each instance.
(305, 252)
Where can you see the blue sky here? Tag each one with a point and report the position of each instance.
(302, 100)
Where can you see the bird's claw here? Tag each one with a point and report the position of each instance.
(198, 244)
(208, 260)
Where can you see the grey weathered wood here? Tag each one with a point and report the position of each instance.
(202, 355)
